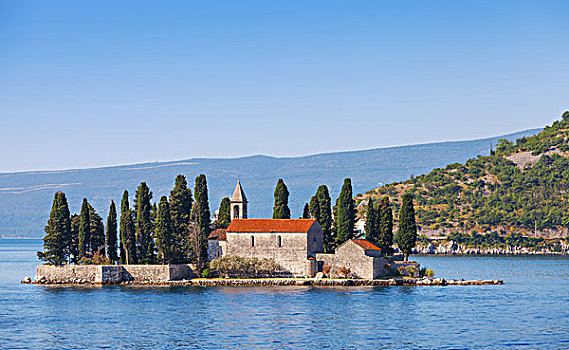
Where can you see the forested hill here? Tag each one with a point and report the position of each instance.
(522, 187)
(25, 198)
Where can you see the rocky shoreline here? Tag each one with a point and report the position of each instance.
(452, 248)
(213, 282)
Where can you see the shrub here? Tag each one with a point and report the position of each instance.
(412, 270)
(240, 267)
(408, 270)
(94, 259)
(205, 273)
(426, 272)
(344, 272)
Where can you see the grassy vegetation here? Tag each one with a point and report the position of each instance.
(492, 193)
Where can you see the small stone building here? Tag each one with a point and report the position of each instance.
(216, 244)
(292, 243)
(363, 258)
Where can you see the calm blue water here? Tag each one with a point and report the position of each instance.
(530, 311)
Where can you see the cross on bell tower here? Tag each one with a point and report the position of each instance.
(238, 203)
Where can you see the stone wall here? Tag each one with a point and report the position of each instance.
(216, 249)
(69, 274)
(111, 274)
(291, 255)
(315, 240)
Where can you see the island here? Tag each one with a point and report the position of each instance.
(237, 251)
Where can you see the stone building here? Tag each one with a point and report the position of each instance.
(363, 258)
(292, 243)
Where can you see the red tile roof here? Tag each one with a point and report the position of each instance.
(217, 235)
(270, 225)
(367, 245)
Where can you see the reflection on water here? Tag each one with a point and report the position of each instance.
(529, 311)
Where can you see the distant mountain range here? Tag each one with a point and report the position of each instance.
(25, 198)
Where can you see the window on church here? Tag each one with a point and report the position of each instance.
(252, 241)
(279, 241)
(236, 212)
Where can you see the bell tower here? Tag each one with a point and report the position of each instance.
(238, 203)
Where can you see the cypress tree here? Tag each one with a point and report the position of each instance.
(314, 207)
(224, 214)
(65, 222)
(371, 227)
(325, 216)
(346, 213)
(202, 221)
(112, 233)
(128, 237)
(407, 231)
(306, 212)
(84, 229)
(97, 232)
(281, 209)
(143, 208)
(168, 251)
(385, 225)
(153, 212)
(181, 210)
(74, 248)
(57, 240)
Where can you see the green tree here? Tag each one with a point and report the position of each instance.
(57, 240)
(385, 225)
(181, 206)
(74, 248)
(112, 233)
(371, 226)
(346, 213)
(128, 235)
(281, 209)
(407, 231)
(168, 250)
(97, 234)
(325, 216)
(84, 229)
(143, 207)
(314, 207)
(202, 221)
(224, 214)
(306, 212)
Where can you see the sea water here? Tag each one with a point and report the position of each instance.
(530, 311)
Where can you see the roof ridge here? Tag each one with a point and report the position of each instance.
(271, 225)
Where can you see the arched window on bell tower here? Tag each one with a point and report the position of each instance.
(238, 203)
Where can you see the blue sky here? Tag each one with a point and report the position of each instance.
(93, 83)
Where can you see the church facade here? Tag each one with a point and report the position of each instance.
(292, 243)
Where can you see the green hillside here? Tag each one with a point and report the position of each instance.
(522, 187)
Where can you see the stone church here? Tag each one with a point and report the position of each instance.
(295, 244)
